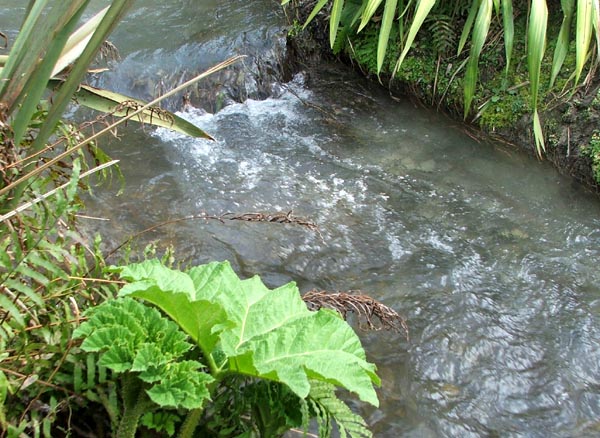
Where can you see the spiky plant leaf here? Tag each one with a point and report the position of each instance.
(421, 12)
(583, 35)
(536, 42)
(509, 30)
(334, 21)
(387, 21)
(480, 31)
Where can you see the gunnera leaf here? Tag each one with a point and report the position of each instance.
(175, 293)
(261, 332)
(132, 337)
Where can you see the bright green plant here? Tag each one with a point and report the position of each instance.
(480, 13)
(148, 350)
(242, 330)
(592, 150)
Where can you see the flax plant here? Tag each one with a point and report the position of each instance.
(410, 16)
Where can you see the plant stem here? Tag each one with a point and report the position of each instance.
(135, 404)
(191, 422)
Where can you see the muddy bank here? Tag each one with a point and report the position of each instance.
(570, 122)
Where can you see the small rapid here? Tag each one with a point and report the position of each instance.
(491, 256)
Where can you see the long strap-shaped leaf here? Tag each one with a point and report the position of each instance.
(563, 40)
(10, 90)
(583, 36)
(480, 31)
(27, 75)
(596, 24)
(110, 128)
(509, 30)
(468, 26)
(334, 21)
(369, 11)
(79, 69)
(77, 42)
(422, 10)
(314, 12)
(536, 42)
(121, 105)
(384, 33)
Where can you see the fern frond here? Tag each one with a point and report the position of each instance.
(327, 407)
(443, 33)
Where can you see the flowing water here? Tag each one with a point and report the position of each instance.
(490, 255)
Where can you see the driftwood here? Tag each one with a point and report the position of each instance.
(371, 314)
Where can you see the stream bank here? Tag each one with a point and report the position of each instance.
(501, 112)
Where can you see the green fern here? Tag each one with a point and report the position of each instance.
(443, 33)
(329, 408)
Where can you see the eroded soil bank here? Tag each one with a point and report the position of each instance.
(570, 120)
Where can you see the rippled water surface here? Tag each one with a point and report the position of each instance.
(490, 255)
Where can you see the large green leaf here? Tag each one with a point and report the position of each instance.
(261, 333)
(132, 337)
(174, 292)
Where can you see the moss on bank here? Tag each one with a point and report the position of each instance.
(501, 107)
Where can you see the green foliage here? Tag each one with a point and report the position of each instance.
(271, 363)
(243, 327)
(443, 33)
(477, 18)
(131, 337)
(328, 409)
(592, 150)
(160, 421)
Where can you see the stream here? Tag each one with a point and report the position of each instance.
(490, 255)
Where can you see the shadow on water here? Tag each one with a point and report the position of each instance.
(490, 255)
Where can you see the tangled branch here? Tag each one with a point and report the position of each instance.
(366, 309)
(280, 218)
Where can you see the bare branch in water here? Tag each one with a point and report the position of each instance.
(365, 308)
(280, 218)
